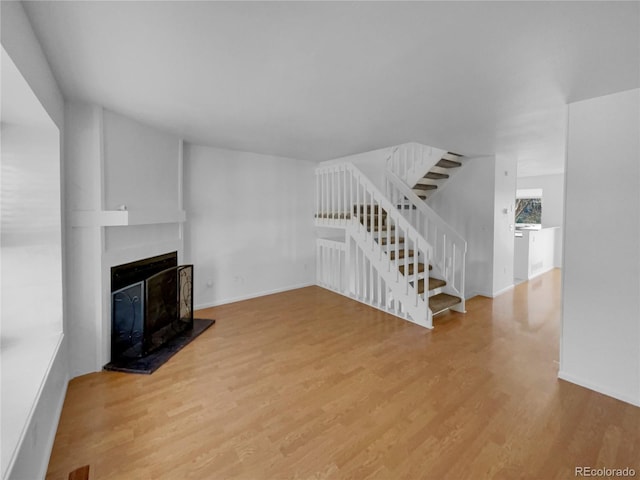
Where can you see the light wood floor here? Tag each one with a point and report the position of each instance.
(308, 385)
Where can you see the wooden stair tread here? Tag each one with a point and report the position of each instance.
(392, 254)
(376, 228)
(333, 215)
(441, 302)
(436, 176)
(412, 268)
(367, 208)
(424, 186)
(433, 284)
(392, 240)
(444, 163)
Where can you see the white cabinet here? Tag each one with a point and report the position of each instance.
(535, 252)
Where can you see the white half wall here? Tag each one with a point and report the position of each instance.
(249, 228)
(600, 346)
(467, 204)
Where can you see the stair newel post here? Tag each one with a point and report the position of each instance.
(318, 263)
(321, 181)
(415, 275)
(338, 191)
(344, 191)
(358, 203)
(388, 243)
(379, 232)
(337, 194)
(405, 261)
(356, 271)
(396, 255)
(320, 193)
(331, 192)
(370, 222)
(325, 183)
(445, 264)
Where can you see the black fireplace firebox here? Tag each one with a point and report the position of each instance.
(151, 303)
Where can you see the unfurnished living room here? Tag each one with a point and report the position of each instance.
(320, 240)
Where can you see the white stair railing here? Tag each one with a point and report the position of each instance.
(449, 247)
(411, 161)
(331, 265)
(378, 241)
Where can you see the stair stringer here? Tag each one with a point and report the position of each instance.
(449, 248)
(416, 308)
(444, 184)
(411, 161)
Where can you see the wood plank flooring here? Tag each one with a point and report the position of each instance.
(308, 384)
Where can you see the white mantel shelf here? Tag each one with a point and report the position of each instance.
(121, 218)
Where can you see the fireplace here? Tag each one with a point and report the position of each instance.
(151, 303)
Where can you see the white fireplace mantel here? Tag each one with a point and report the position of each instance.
(116, 218)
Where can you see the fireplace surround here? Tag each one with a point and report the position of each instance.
(151, 303)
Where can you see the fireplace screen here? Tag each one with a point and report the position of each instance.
(148, 313)
(127, 311)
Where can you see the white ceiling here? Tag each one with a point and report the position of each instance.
(319, 80)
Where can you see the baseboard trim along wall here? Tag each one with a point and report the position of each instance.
(251, 295)
(597, 388)
(32, 456)
(489, 294)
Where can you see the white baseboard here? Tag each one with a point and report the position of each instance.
(542, 272)
(488, 294)
(501, 291)
(251, 295)
(598, 388)
(31, 458)
(52, 433)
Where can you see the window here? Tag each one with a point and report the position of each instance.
(528, 207)
(529, 210)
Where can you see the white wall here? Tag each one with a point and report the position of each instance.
(112, 161)
(249, 228)
(473, 203)
(503, 233)
(552, 205)
(552, 196)
(600, 346)
(44, 406)
(467, 204)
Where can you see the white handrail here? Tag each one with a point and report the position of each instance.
(331, 265)
(348, 198)
(411, 161)
(450, 247)
(424, 209)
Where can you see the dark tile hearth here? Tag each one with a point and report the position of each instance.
(153, 361)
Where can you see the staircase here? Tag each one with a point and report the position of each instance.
(406, 261)
(437, 175)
